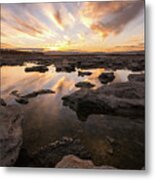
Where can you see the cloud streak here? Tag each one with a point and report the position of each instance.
(71, 26)
(110, 17)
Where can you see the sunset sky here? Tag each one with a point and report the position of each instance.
(79, 26)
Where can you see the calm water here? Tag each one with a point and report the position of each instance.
(45, 117)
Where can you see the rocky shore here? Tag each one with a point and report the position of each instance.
(119, 107)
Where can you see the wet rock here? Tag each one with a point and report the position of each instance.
(66, 68)
(86, 73)
(36, 93)
(22, 100)
(41, 69)
(121, 99)
(15, 93)
(71, 161)
(84, 84)
(10, 134)
(106, 77)
(2, 102)
(51, 154)
(136, 77)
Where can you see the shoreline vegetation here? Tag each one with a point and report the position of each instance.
(122, 104)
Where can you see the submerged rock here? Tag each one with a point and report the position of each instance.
(84, 84)
(106, 77)
(121, 99)
(10, 134)
(71, 161)
(51, 154)
(136, 77)
(36, 93)
(36, 68)
(86, 73)
(23, 99)
(2, 102)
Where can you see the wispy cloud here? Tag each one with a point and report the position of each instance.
(70, 26)
(109, 17)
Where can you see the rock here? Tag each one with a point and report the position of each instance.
(106, 77)
(41, 69)
(121, 99)
(66, 68)
(84, 84)
(10, 134)
(127, 150)
(86, 73)
(22, 100)
(71, 161)
(36, 93)
(51, 154)
(15, 93)
(2, 102)
(136, 77)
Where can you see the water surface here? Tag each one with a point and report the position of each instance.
(45, 117)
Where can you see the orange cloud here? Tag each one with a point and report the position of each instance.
(107, 18)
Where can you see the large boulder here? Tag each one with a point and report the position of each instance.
(10, 134)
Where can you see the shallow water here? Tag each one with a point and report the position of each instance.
(45, 117)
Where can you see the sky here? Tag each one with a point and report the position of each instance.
(106, 26)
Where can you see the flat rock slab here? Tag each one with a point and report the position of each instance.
(122, 99)
(10, 134)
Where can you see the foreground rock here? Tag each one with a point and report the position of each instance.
(84, 84)
(136, 77)
(23, 99)
(121, 99)
(122, 143)
(106, 77)
(10, 134)
(2, 102)
(72, 161)
(41, 69)
(51, 154)
(86, 73)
